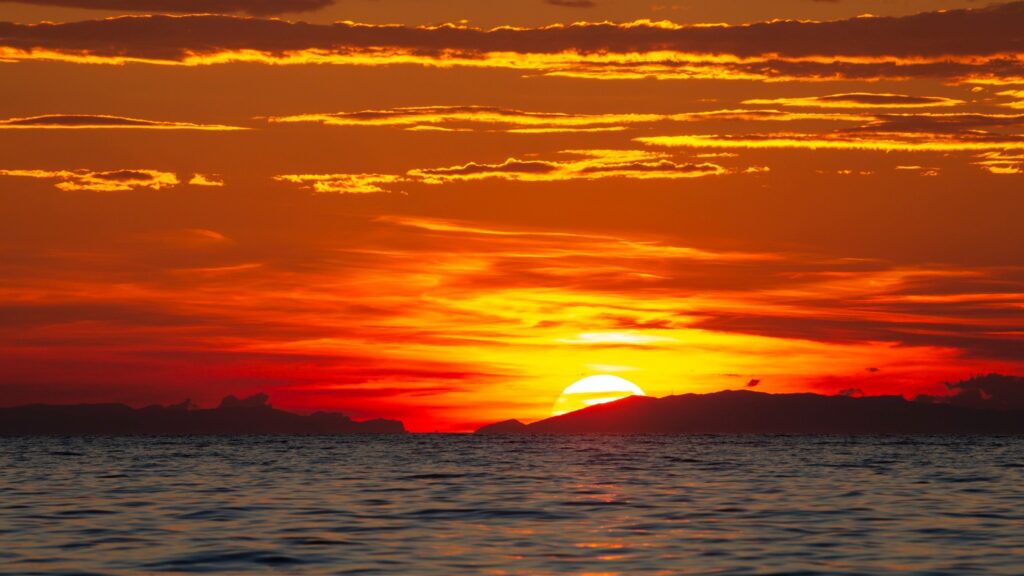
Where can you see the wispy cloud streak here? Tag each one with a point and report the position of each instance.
(103, 121)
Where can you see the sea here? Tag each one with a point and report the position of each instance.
(463, 504)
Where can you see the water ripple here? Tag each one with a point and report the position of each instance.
(440, 504)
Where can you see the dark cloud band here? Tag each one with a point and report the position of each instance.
(253, 7)
(927, 44)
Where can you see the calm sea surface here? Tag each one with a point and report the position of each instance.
(436, 504)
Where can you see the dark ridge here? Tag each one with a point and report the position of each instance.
(748, 412)
(247, 416)
(506, 427)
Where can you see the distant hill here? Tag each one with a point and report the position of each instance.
(248, 416)
(748, 412)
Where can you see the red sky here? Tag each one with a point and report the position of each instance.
(446, 212)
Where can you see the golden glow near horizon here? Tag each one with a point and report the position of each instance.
(360, 209)
(594, 390)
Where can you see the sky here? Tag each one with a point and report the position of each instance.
(447, 212)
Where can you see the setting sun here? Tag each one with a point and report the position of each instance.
(594, 390)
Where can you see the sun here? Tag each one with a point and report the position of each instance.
(594, 390)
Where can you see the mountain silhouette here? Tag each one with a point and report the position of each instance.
(234, 416)
(748, 412)
(506, 427)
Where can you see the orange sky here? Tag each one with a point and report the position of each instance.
(446, 212)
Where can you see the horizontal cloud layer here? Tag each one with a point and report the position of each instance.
(108, 181)
(583, 165)
(1002, 163)
(96, 121)
(928, 44)
(838, 141)
(594, 164)
(463, 118)
(896, 130)
(343, 183)
(253, 7)
(860, 100)
(904, 131)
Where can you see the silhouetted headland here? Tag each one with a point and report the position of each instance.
(992, 404)
(234, 416)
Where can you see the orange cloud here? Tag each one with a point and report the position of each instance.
(893, 131)
(504, 119)
(93, 181)
(922, 170)
(970, 124)
(206, 180)
(593, 164)
(584, 165)
(253, 7)
(904, 142)
(920, 131)
(1017, 95)
(859, 100)
(857, 48)
(461, 118)
(763, 115)
(1002, 163)
(101, 121)
(343, 183)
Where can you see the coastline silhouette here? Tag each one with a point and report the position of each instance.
(234, 416)
(992, 404)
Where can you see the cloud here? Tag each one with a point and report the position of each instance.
(972, 341)
(992, 135)
(572, 3)
(252, 7)
(886, 142)
(1017, 95)
(922, 170)
(490, 118)
(911, 131)
(206, 180)
(923, 45)
(343, 183)
(975, 313)
(102, 121)
(1001, 163)
(968, 123)
(473, 117)
(512, 169)
(93, 181)
(859, 100)
(513, 120)
(185, 238)
(582, 165)
(763, 115)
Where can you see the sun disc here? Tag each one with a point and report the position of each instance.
(593, 390)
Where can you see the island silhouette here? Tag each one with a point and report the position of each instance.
(234, 416)
(992, 404)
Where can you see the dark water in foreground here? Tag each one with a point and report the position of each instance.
(469, 505)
